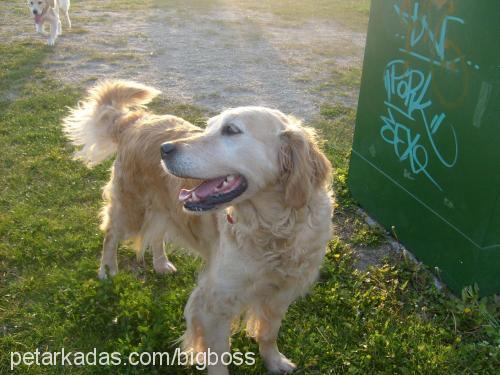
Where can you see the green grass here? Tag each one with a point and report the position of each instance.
(349, 13)
(391, 319)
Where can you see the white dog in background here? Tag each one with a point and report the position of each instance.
(48, 11)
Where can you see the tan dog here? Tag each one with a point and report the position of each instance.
(47, 11)
(262, 210)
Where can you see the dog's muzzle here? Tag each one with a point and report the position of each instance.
(210, 193)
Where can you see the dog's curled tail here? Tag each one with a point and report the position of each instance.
(96, 124)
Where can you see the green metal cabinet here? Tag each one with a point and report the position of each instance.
(426, 152)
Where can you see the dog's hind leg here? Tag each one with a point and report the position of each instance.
(64, 8)
(109, 261)
(59, 26)
(153, 234)
(161, 264)
(66, 14)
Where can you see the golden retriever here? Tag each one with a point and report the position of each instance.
(48, 11)
(249, 193)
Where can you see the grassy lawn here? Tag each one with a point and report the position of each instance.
(349, 13)
(390, 319)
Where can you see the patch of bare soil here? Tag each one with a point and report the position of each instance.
(216, 58)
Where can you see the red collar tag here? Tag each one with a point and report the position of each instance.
(229, 219)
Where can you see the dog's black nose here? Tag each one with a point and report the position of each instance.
(167, 149)
(35, 11)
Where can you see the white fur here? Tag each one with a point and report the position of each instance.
(94, 139)
(258, 264)
(272, 252)
(49, 11)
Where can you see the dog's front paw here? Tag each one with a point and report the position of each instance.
(279, 364)
(163, 266)
(218, 370)
(51, 42)
(105, 270)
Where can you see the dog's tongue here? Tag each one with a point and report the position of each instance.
(38, 18)
(205, 189)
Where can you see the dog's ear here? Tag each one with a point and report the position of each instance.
(51, 3)
(303, 167)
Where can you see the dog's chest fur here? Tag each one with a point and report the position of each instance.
(282, 246)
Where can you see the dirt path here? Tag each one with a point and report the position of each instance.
(210, 56)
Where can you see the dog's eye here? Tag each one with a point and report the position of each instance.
(230, 130)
